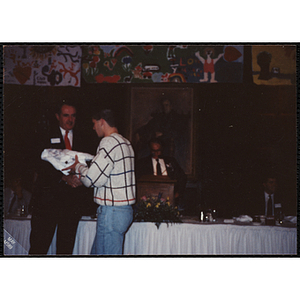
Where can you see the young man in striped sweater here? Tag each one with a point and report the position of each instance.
(111, 174)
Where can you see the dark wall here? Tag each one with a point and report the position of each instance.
(245, 131)
(240, 130)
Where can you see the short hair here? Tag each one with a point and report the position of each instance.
(267, 176)
(156, 140)
(106, 114)
(63, 102)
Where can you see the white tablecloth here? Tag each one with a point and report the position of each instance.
(16, 237)
(213, 239)
(172, 239)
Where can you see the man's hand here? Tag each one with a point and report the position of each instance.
(76, 181)
(72, 180)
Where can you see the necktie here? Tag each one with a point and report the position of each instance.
(67, 141)
(158, 168)
(270, 207)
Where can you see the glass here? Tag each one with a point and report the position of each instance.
(214, 214)
(209, 217)
(18, 212)
(22, 212)
(279, 217)
(256, 219)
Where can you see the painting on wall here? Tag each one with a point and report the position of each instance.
(162, 63)
(274, 64)
(42, 65)
(165, 113)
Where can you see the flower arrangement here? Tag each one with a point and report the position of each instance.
(156, 209)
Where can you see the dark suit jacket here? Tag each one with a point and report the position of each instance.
(49, 179)
(256, 205)
(144, 167)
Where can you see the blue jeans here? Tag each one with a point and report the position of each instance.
(112, 224)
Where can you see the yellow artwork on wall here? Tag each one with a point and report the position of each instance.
(274, 64)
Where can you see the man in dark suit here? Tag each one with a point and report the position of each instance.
(157, 164)
(58, 199)
(268, 202)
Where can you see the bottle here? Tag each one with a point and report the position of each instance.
(22, 213)
(201, 216)
(209, 215)
(279, 217)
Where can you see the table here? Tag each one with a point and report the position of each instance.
(191, 238)
(212, 239)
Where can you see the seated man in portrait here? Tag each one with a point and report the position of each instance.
(159, 165)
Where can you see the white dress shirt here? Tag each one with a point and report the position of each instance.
(162, 166)
(70, 135)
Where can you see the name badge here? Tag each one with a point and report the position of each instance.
(277, 205)
(55, 140)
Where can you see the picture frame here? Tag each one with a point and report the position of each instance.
(166, 113)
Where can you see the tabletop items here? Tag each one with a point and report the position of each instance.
(243, 219)
(20, 212)
(209, 215)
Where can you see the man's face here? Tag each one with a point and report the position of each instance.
(17, 184)
(67, 117)
(98, 127)
(270, 185)
(155, 150)
(166, 106)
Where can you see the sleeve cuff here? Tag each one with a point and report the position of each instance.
(77, 170)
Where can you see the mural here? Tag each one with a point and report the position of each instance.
(274, 65)
(162, 63)
(42, 65)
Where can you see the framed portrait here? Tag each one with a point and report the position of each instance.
(165, 113)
